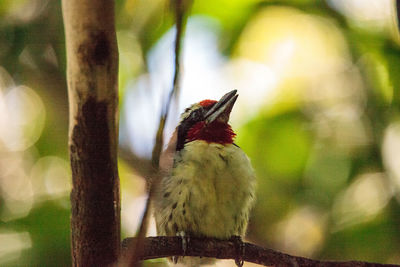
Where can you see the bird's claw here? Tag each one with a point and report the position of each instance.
(185, 241)
(240, 250)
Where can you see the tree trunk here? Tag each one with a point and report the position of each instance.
(92, 74)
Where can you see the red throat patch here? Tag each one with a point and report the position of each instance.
(216, 132)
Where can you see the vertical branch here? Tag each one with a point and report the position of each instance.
(180, 8)
(92, 70)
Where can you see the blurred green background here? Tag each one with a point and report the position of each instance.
(318, 114)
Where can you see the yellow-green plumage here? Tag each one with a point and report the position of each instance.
(209, 192)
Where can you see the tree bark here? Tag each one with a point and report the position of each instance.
(92, 74)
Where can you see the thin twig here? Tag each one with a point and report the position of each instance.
(163, 246)
(155, 177)
(179, 14)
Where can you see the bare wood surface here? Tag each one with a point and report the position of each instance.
(92, 71)
(167, 246)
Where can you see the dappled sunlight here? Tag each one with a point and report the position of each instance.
(253, 95)
(16, 243)
(21, 122)
(301, 232)
(391, 156)
(27, 178)
(370, 15)
(361, 201)
(342, 125)
(293, 43)
(22, 118)
(51, 176)
(16, 187)
(24, 11)
(311, 65)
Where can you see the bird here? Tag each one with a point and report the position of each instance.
(208, 186)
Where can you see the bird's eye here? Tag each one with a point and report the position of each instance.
(197, 115)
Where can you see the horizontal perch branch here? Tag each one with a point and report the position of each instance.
(166, 246)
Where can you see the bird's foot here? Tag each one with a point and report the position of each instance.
(240, 250)
(185, 242)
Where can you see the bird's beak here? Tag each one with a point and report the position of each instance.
(222, 109)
